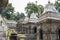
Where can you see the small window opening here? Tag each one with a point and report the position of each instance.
(59, 34)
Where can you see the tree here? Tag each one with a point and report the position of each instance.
(22, 15)
(8, 11)
(57, 4)
(19, 16)
(3, 4)
(33, 8)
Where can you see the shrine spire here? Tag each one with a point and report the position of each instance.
(49, 2)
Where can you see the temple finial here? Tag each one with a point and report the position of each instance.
(48, 1)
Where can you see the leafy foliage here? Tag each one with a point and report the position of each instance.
(19, 16)
(57, 4)
(33, 8)
(8, 11)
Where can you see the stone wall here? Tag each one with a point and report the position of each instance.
(49, 31)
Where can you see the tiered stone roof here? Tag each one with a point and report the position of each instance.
(50, 7)
(33, 18)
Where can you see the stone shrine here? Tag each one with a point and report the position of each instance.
(46, 27)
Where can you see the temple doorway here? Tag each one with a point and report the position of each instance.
(13, 36)
(59, 34)
(35, 29)
(41, 34)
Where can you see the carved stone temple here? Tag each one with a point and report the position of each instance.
(46, 27)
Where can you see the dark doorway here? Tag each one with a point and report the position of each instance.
(13, 36)
(59, 34)
(35, 29)
(41, 34)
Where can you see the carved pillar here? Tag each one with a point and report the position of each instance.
(38, 34)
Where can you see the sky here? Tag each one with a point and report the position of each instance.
(21, 4)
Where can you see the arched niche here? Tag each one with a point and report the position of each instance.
(34, 29)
